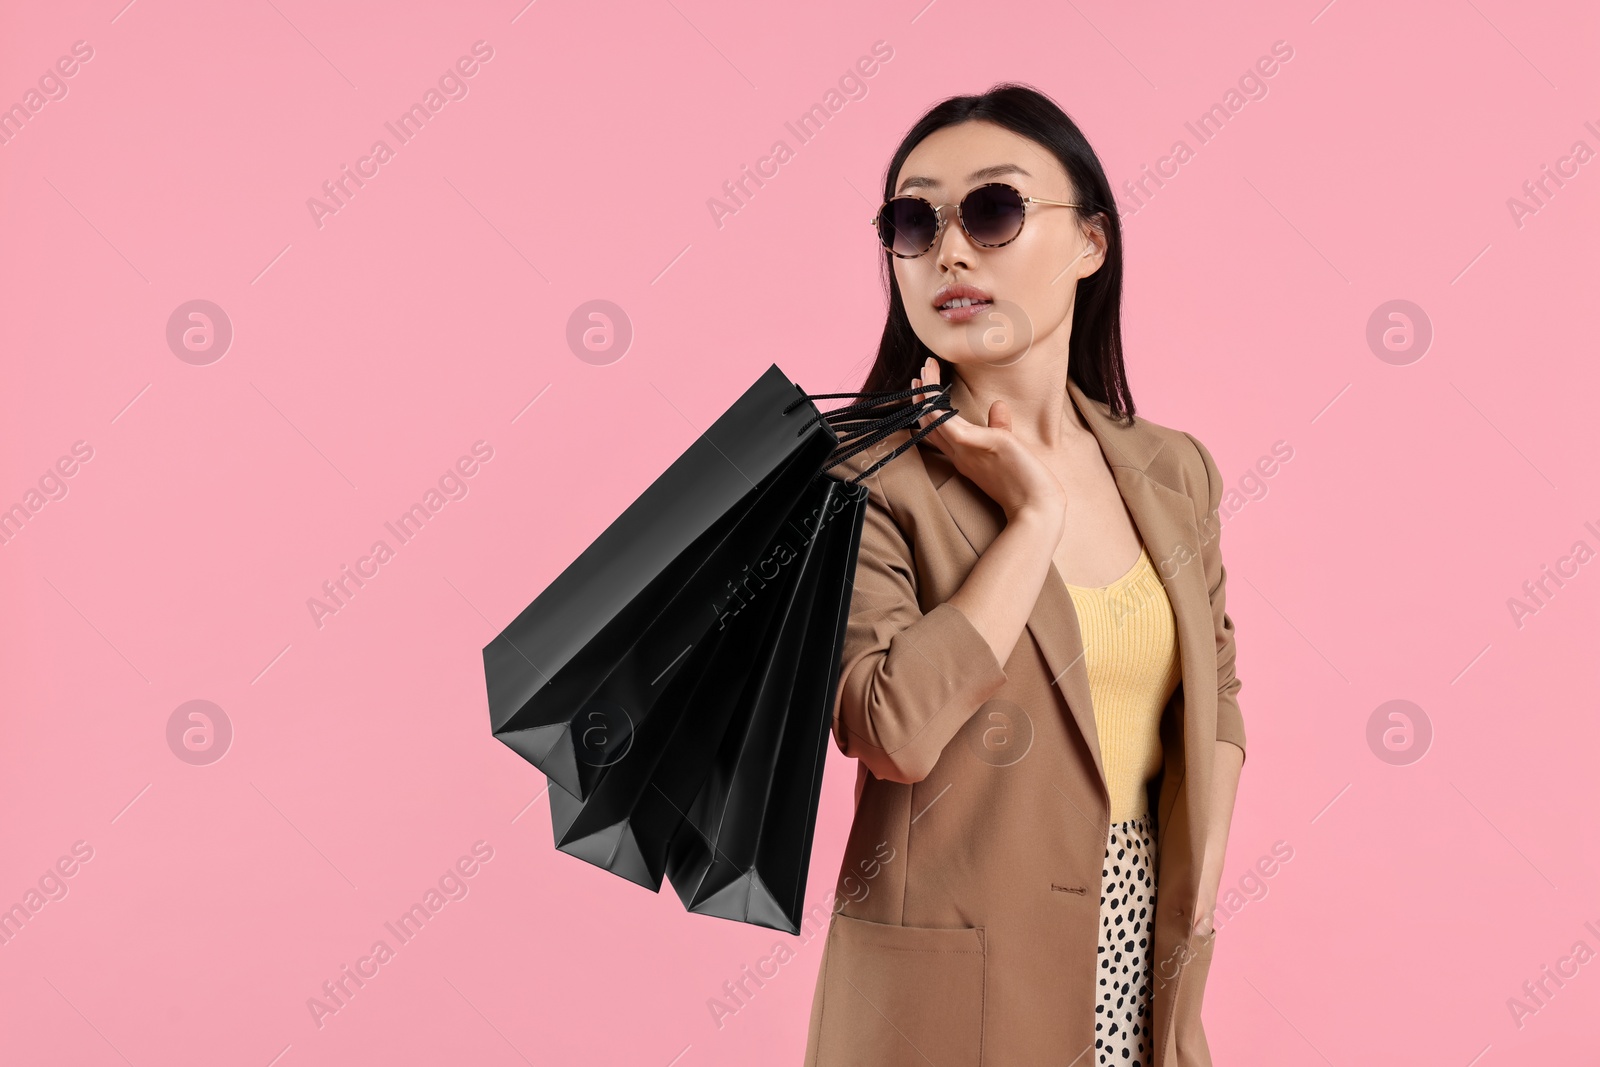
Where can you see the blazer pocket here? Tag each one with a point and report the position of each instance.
(902, 995)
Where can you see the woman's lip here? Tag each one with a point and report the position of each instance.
(962, 314)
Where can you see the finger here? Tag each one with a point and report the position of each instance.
(936, 436)
(949, 434)
(930, 371)
(999, 416)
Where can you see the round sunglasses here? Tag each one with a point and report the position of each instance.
(992, 215)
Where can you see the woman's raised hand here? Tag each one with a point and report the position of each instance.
(995, 459)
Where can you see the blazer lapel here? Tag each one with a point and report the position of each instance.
(1164, 517)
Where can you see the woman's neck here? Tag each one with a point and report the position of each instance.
(1042, 412)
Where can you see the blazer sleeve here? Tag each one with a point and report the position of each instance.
(908, 681)
(1230, 723)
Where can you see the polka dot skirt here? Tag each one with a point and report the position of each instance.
(1127, 944)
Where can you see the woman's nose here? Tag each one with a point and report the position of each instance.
(951, 245)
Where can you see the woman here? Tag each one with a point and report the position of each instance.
(1048, 736)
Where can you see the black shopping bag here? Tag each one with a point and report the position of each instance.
(744, 848)
(582, 666)
(631, 814)
(647, 680)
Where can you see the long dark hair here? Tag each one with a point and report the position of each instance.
(1095, 348)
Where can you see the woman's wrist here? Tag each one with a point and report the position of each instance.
(1043, 523)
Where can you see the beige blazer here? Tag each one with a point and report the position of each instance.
(966, 924)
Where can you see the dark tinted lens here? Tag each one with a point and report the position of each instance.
(992, 214)
(906, 225)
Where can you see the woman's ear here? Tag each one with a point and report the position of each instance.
(1095, 234)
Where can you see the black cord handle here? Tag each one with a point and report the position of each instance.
(875, 416)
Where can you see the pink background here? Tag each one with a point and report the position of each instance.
(431, 312)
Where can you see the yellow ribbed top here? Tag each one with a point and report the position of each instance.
(1130, 643)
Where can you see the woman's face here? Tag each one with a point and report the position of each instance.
(1026, 288)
